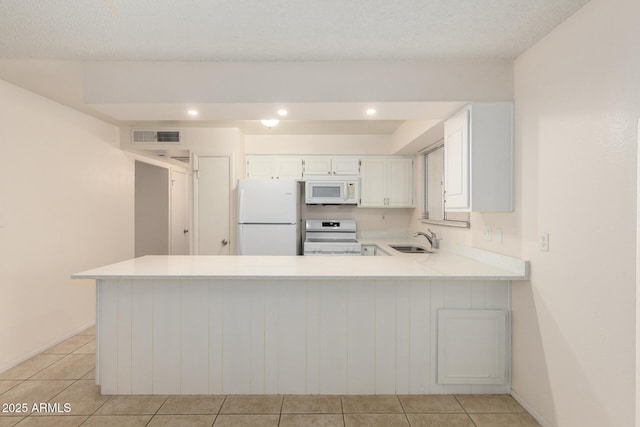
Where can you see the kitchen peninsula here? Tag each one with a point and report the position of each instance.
(436, 323)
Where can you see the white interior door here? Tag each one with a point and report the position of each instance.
(179, 214)
(212, 186)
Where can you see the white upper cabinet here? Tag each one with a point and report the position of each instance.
(478, 159)
(324, 165)
(373, 191)
(274, 167)
(387, 182)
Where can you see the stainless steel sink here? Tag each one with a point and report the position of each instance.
(409, 249)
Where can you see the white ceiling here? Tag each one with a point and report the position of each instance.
(276, 30)
(45, 45)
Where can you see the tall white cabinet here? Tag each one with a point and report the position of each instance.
(478, 159)
(387, 182)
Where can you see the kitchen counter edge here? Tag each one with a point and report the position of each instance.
(449, 263)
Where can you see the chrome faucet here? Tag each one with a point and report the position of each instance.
(433, 239)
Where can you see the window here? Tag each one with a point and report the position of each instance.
(433, 211)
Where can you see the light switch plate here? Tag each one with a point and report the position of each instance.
(543, 241)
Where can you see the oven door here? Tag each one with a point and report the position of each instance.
(328, 248)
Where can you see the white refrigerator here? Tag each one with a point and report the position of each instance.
(268, 217)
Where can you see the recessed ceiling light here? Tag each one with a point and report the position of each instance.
(371, 111)
(192, 113)
(282, 112)
(270, 122)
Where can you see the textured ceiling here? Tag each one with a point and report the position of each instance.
(275, 30)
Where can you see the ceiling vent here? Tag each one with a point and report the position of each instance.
(150, 136)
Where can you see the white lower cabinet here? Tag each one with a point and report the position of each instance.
(369, 250)
(472, 346)
(373, 250)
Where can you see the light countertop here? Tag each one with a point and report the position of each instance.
(453, 263)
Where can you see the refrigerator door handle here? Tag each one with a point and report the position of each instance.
(240, 240)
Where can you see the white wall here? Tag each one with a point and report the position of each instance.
(108, 84)
(66, 205)
(318, 144)
(577, 98)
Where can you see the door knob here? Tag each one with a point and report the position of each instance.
(224, 242)
(185, 231)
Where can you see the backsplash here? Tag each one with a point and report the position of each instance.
(368, 219)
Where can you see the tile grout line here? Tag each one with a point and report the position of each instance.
(404, 411)
(97, 409)
(76, 381)
(280, 414)
(156, 413)
(455, 396)
(13, 386)
(219, 410)
(54, 379)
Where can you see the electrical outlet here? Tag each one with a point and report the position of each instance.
(497, 235)
(543, 242)
(486, 233)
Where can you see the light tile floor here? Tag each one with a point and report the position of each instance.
(65, 374)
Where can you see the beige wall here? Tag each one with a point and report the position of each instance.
(318, 144)
(577, 98)
(66, 205)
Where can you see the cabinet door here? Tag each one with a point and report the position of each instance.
(317, 166)
(456, 161)
(259, 167)
(400, 183)
(368, 250)
(472, 346)
(288, 168)
(380, 252)
(345, 166)
(372, 183)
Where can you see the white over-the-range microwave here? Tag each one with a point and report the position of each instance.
(332, 191)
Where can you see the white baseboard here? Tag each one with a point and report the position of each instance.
(535, 414)
(45, 347)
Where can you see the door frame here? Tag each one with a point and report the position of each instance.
(194, 191)
(187, 173)
(187, 170)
